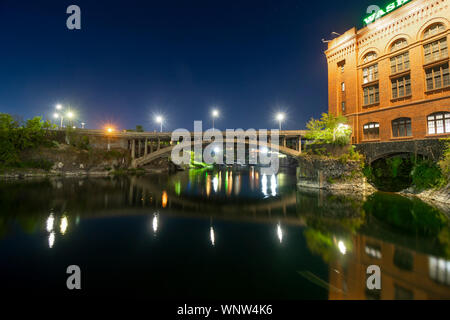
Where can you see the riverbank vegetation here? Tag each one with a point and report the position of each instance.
(17, 136)
(33, 146)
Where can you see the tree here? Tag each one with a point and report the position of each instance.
(329, 129)
(139, 128)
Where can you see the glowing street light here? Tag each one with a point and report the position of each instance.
(160, 120)
(212, 236)
(58, 107)
(279, 233)
(215, 114)
(280, 118)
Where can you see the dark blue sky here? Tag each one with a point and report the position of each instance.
(133, 59)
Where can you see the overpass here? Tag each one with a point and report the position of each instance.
(145, 147)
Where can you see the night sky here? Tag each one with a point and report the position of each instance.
(134, 59)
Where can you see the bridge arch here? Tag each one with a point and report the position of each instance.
(165, 152)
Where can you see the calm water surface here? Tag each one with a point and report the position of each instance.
(218, 234)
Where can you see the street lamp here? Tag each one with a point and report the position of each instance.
(82, 125)
(159, 120)
(70, 115)
(215, 114)
(56, 116)
(280, 118)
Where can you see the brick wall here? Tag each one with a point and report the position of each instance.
(408, 22)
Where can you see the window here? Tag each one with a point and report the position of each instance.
(433, 30)
(403, 259)
(343, 86)
(400, 63)
(370, 56)
(343, 106)
(439, 270)
(401, 127)
(439, 123)
(437, 77)
(399, 44)
(371, 95)
(373, 251)
(341, 65)
(436, 50)
(370, 73)
(403, 293)
(371, 131)
(401, 87)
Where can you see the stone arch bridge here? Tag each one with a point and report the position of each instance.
(432, 149)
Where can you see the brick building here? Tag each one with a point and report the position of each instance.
(391, 78)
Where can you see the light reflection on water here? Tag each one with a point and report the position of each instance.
(226, 225)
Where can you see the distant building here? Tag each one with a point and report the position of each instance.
(391, 79)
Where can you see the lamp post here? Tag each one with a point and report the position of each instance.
(215, 114)
(280, 118)
(59, 114)
(70, 116)
(159, 119)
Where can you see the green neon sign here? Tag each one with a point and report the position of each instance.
(389, 8)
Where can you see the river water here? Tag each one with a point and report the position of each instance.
(225, 234)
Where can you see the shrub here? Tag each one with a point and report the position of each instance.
(444, 164)
(426, 175)
(329, 129)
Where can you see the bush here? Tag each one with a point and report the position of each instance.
(444, 164)
(329, 130)
(426, 175)
(17, 136)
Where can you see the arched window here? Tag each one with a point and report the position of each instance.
(401, 127)
(439, 123)
(399, 44)
(370, 56)
(433, 29)
(371, 131)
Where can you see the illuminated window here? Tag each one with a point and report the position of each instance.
(401, 127)
(370, 56)
(343, 86)
(371, 95)
(436, 50)
(439, 270)
(437, 77)
(401, 87)
(400, 63)
(371, 131)
(399, 44)
(433, 30)
(439, 123)
(343, 106)
(370, 73)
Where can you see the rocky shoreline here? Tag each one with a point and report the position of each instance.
(346, 178)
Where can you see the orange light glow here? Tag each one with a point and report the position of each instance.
(164, 199)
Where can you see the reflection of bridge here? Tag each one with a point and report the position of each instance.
(264, 209)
